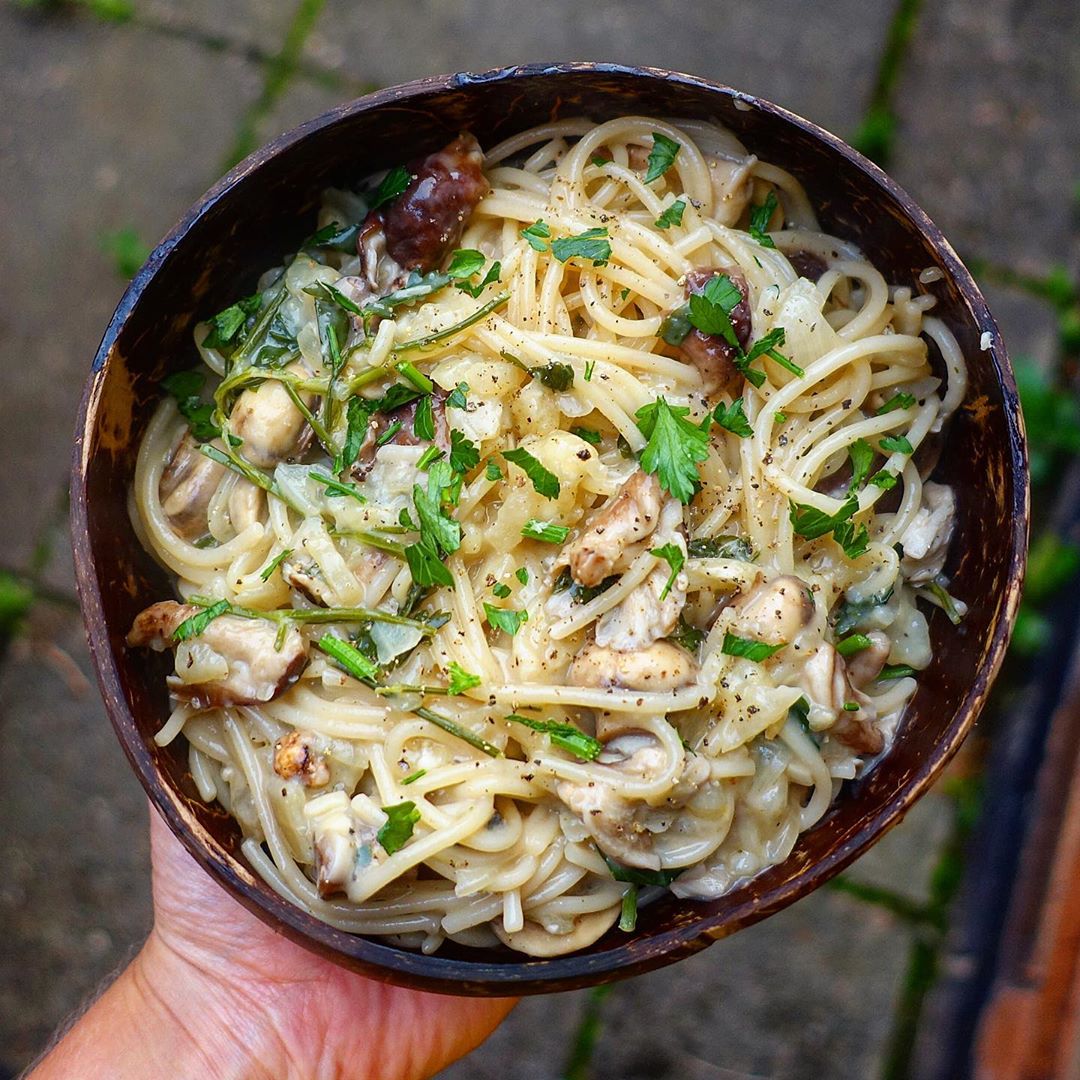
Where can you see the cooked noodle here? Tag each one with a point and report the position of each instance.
(696, 782)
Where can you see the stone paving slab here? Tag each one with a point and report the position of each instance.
(96, 134)
(75, 894)
(988, 141)
(806, 994)
(788, 52)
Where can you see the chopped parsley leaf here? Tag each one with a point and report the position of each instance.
(884, 479)
(748, 648)
(544, 481)
(674, 448)
(457, 399)
(861, 454)
(492, 470)
(196, 624)
(505, 619)
(185, 387)
(587, 434)
(424, 420)
(672, 215)
(760, 216)
(464, 455)
(501, 591)
(591, 244)
(536, 234)
(227, 324)
(400, 821)
(897, 401)
(392, 185)
(460, 679)
(673, 555)
(565, 736)
(896, 444)
(710, 310)
(661, 156)
(733, 419)
(522, 575)
(545, 531)
(810, 523)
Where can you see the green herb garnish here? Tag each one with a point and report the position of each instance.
(505, 619)
(760, 216)
(673, 555)
(661, 156)
(392, 185)
(460, 679)
(544, 481)
(399, 826)
(674, 448)
(672, 215)
(196, 624)
(748, 648)
(591, 244)
(732, 418)
(897, 401)
(536, 234)
(565, 736)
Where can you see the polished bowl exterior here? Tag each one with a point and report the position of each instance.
(261, 211)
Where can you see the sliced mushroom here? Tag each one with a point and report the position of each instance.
(615, 823)
(330, 820)
(426, 221)
(808, 265)
(825, 680)
(301, 571)
(865, 666)
(711, 354)
(258, 671)
(646, 615)
(661, 667)
(270, 424)
(775, 611)
(297, 754)
(245, 504)
(343, 836)
(187, 486)
(926, 540)
(628, 518)
(732, 184)
(381, 272)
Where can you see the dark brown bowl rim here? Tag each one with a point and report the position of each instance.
(574, 970)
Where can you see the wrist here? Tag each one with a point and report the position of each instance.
(163, 1016)
(221, 1026)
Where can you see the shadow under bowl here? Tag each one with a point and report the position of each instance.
(261, 211)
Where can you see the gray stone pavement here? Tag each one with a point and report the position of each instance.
(107, 126)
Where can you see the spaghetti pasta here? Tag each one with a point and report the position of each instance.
(549, 527)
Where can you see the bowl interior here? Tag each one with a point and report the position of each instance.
(263, 209)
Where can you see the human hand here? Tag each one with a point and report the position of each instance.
(215, 992)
